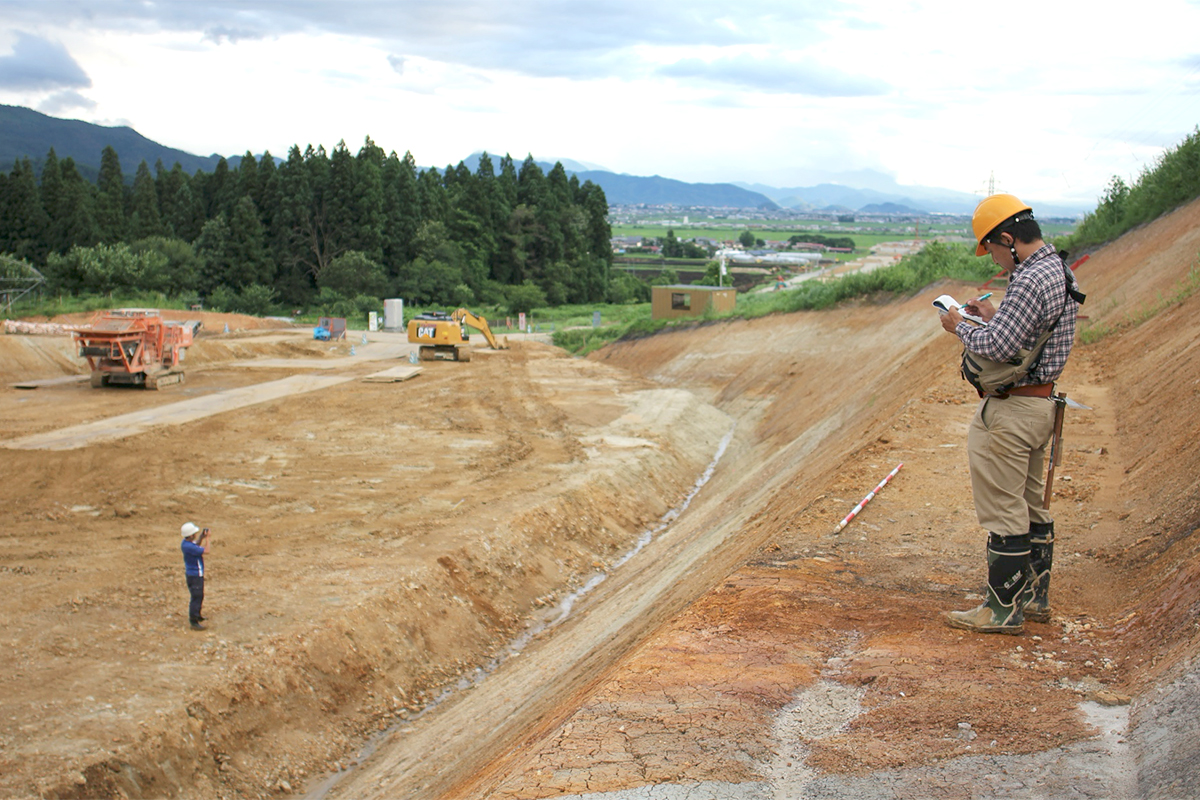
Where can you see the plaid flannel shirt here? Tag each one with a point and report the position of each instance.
(1035, 299)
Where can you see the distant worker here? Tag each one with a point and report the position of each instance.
(1008, 437)
(194, 546)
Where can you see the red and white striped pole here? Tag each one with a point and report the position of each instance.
(866, 499)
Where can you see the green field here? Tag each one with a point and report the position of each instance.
(864, 234)
(862, 239)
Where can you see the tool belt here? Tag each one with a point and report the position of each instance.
(996, 378)
(1035, 390)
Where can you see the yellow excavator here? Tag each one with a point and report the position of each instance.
(445, 336)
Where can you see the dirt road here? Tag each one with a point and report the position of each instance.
(482, 582)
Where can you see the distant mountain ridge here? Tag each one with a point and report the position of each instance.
(25, 133)
(632, 190)
(883, 191)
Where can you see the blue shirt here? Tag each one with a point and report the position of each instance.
(193, 558)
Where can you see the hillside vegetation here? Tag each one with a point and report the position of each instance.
(1173, 180)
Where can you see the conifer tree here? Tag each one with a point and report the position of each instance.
(367, 234)
(435, 206)
(470, 222)
(268, 194)
(187, 208)
(219, 190)
(246, 248)
(144, 217)
(246, 182)
(51, 193)
(111, 219)
(24, 224)
(402, 211)
(212, 246)
(76, 216)
(340, 204)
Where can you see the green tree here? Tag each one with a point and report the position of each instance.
(401, 211)
(246, 250)
(746, 239)
(672, 247)
(367, 233)
(470, 222)
(525, 298)
(181, 266)
(352, 274)
(212, 246)
(75, 222)
(625, 287)
(267, 199)
(597, 241)
(111, 220)
(712, 276)
(340, 207)
(105, 269)
(52, 199)
(218, 190)
(294, 234)
(666, 277)
(435, 206)
(253, 299)
(24, 224)
(144, 217)
(246, 181)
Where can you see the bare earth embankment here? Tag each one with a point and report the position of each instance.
(377, 543)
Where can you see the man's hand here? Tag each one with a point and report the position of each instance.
(950, 320)
(981, 308)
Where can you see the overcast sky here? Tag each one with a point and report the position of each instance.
(1053, 98)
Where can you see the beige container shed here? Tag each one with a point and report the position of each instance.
(672, 302)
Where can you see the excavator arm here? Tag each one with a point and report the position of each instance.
(465, 317)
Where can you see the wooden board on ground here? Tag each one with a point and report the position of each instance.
(393, 375)
(106, 430)
(49, 382)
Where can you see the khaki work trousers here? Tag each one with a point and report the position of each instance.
(1006, 451)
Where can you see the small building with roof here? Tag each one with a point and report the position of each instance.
(674, 302)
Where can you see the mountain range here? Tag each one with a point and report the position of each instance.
(25, 133)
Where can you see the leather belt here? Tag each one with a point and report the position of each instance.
(1036, 390)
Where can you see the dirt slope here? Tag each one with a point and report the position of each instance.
(379, 543)
(820, 668)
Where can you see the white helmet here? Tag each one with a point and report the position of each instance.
(188, 529)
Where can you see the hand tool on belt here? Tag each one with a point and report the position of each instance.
(1060, 410)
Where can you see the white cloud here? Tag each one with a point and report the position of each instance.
(63, 102)
(40, 64)
(776, 75)
(930, 91)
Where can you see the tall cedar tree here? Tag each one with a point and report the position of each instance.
(111, 198)
(144, 217)
(51, 192)
(76, 217)
(24, 224)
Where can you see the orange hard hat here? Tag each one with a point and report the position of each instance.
(990, 213)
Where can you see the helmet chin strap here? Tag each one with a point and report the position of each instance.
(1012, 246)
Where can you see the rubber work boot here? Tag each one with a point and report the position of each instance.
(1003, 607)
(1041, 556)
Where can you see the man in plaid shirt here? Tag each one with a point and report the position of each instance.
(1007, 440)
